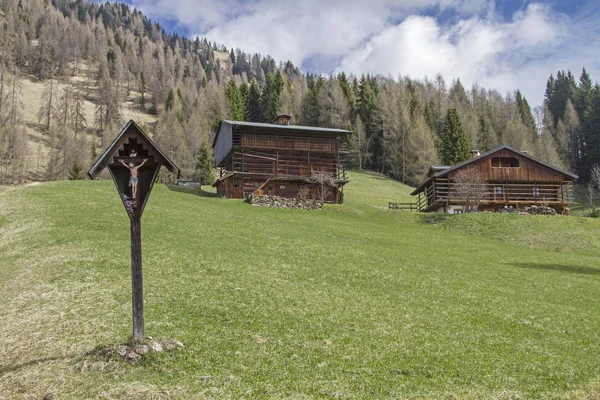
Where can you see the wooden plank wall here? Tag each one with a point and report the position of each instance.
(528, 170)
(224, 143)
(284, 162)
(248, 185)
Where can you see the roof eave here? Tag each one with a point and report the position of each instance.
(94, 171)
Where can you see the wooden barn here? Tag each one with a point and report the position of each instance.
(278, 159)
(512, 179)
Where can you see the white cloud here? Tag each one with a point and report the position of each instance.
(504, 55)
(392, 37)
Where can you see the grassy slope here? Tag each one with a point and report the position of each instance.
(32, 91)
(355, 301)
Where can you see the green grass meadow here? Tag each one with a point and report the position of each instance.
(351, 302)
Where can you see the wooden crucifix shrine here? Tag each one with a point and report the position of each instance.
(133, 161)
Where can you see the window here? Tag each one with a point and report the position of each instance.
(282, 187)
(236, 185)
(505, 162)
(256, 184)
(536, 191)
(270, 187)
(498, 189)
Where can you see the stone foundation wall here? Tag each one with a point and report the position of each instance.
(284, 202)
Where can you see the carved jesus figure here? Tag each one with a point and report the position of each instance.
(133, 178)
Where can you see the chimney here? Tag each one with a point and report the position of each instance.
(475, 153)
(283, 119)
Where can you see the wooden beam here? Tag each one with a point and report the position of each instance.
(137, 291)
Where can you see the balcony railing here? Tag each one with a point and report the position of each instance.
(282, 142)
(440, 193)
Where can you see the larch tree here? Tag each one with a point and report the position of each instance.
(15, 104)
(78, 117)
(48, 106)
(334, 107)
(358, 145)
(420, 151)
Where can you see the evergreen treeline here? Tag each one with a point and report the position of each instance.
(114, 57)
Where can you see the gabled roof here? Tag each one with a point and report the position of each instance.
(281, 128)
(469, 161)
(104, 159)
(437, 168)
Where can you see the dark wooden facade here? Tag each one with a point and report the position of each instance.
(260, 159)
(513, 179)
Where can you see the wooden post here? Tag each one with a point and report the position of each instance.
(137, 290)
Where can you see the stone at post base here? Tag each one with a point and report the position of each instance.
(130, 352)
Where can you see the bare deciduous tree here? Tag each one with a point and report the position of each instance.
(593, 187)
(469, 188)
(325, 182)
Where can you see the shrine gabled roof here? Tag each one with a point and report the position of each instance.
(110, 152)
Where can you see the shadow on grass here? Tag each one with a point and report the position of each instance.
(12, 368)
(193, 191)
(574, 269)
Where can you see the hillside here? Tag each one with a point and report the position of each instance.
(354, 301)
(63, 60)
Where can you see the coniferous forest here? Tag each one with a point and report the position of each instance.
(73, 72)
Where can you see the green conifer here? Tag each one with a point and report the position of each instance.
(253, 107)
(204, 165)
(76, 171)
(455, 144)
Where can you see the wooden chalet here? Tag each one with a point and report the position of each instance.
(278, 159)
(513, 179)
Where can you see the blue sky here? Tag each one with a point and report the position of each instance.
(504, 44)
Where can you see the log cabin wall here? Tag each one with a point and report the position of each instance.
(255, 153)
(512, 179)
(527, 171)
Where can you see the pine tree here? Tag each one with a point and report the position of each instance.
(170, 101)
(236, 102)
(367, 112)
(558, 91)
(270, 99)
(429, 116)
(525, 113)
(204, 165)
(76, 172)
(311, 108)
(484, 136)
(455, 144)
(253, 107)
